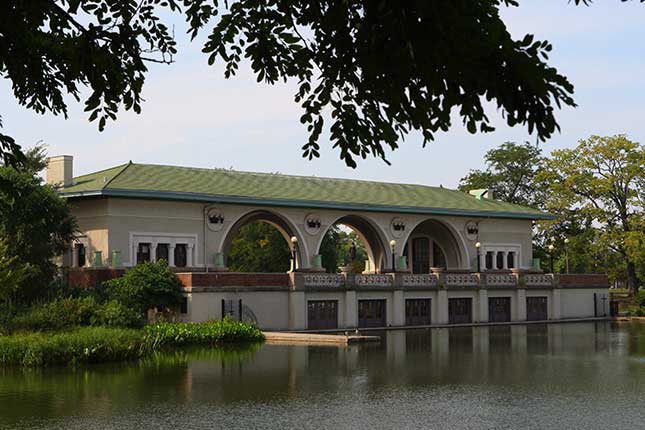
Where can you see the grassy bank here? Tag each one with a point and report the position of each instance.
(104, 344)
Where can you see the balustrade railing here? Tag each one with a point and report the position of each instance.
(461, 279)
(425, 280)
(538, 279)
(365, 280)
(500, 280)
(332, 280)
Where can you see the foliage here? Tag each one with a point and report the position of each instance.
(57, 315)
(35, 225)
(116, 314)
(640, 298)
(259, 247)
(103, 344)
(145, 286)
(82, 345)
(510, 174)
(165, 334)
(378, 70)
(12, 274)
(599, 184)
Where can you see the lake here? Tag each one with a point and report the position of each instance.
(556, 376)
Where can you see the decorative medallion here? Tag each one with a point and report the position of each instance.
(397, 227)
(312, 224)
(215, 219)
(472, 230)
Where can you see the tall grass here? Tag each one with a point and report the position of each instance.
(103, 344)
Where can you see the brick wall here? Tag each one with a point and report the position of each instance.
(91, 277)
(584, 280)
(234, 279)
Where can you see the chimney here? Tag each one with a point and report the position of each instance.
(59, 170)
(482, 194)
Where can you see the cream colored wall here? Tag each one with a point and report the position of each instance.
(124, 216)
(93, 224)
(578, 302)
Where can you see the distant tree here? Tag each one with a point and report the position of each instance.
(329, 249)
(259, 247)
(13, 274)
(336, 250)
(510, 174)
(35, 225)
(601, 182)
(375, 69)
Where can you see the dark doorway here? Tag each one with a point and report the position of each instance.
(460, 311)
(537, 309)
(418, 312)
(322, 314)
(371, 313)
(499, 309)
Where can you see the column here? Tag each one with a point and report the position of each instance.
(153, 251)
(482, 300)
(297, 310)
(398, 309)
(555, 304)
(351, 309)
(494, 253)
(520, 314)
(504, 260)
(171, 255)
(74, 256)
(190, 248)
(442, 307)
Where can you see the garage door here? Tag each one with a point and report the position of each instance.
(499, 309)
(460, 311)
(418, 312)
(322, 314)
(537, 309)
(371, 313)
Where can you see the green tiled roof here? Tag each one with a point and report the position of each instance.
(227, 186)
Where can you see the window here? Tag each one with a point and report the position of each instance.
(143, 253)
(180, 255)
(489, 260)
(499, 264)
(421, 255)
(81, 256)
(162, 252)
(510, 260)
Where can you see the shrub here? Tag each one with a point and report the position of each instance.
(209, 333)
(640, 297)
(145, 286)
(82, 345)
(116, 314)
(57, 315)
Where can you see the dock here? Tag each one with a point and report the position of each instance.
(288, 338)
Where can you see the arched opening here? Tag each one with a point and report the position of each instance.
(260, 241)
(432, 244)
(354, 244)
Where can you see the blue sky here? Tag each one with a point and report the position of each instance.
(194, 117)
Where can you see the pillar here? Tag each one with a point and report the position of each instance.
(171, 255)
(190, 249)
(398, 309)
(555, 311)
(351, 309)
(297, 310)
(494, 260)
(482, 300)
(74, 256)
(505, 260)
(153, 251)
(442, 307)
(520, 305)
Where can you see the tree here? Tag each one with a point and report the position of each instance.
(35, 225)
(510, 174)
(601, 181)
(259, 247)
(336, 250)
(12, 274)
(376, 69)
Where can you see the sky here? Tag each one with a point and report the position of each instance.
(193, 116)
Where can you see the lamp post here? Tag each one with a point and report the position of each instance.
(551, 248)
(478, 245)
(566, 253)
(294, 245)
(393, 246)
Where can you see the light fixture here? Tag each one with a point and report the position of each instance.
(566, 240)
(478, 245)
(393, 244)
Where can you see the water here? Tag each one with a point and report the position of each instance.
(561, 376)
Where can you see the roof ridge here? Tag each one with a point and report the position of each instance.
(222, 169)
(125, 166)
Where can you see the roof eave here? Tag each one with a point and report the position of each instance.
(210, 198)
